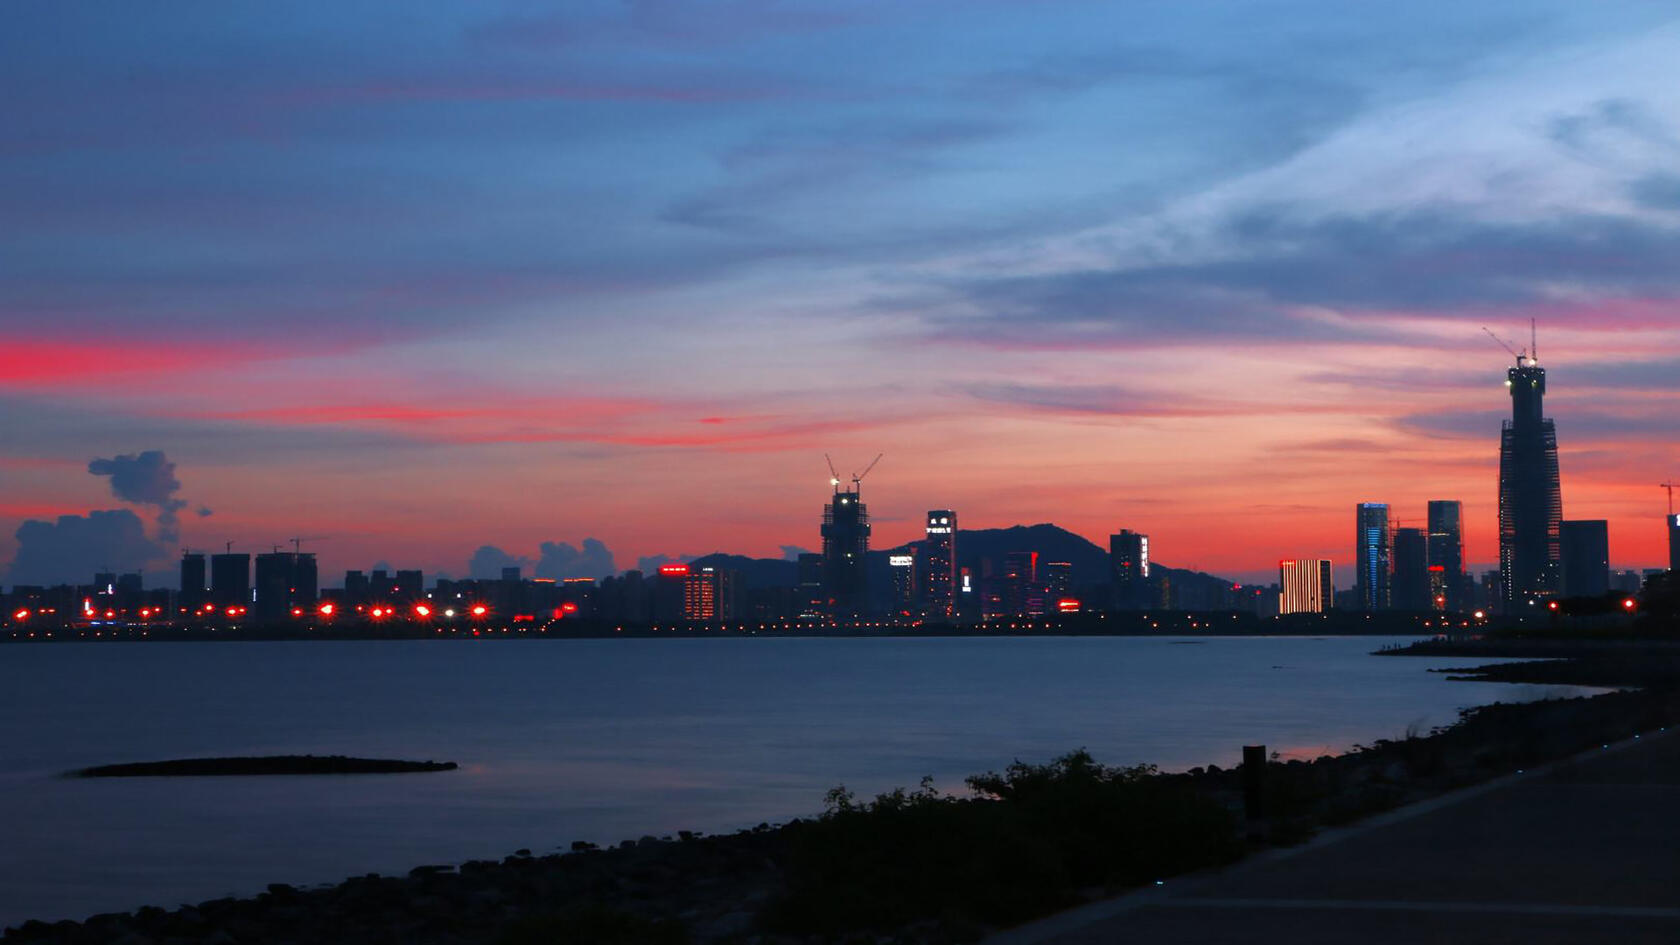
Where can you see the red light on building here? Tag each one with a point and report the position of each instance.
(296, 612)
(673, 570)
(569, 607)
(1629, 604)
(421, 610)
(326, 610)
(1553, 605)
(376, 613)
(1068, 605)
(110, 614)
(479, 610)
(22, 614)
(1438, 567)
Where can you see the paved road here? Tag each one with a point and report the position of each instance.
(1582, 851)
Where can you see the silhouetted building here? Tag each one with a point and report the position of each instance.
(903, 569)
(670, 593)
(230, 580)
(1371, 556)
(1410, 587)
(194, 581)
(357, 590)
(812, 601)
(509, 574)
(1584, 547)
(1306, 586)
(1530, 498)
(1058, 580)
(1674, 543)
(1449, 585)
(936, 577)
(408, 586)
(845, 535)
(1018, 591)
(1128, 561)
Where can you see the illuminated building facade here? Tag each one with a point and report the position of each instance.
(845, 550)
(1584, 550)
(1449, 585)
(1128, 561)
(1371, 556)
(903, 583)
(708, 594)
(1530, 497)
(936, 577)
(1305, 586)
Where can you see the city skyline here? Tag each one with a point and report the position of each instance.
(623, 274)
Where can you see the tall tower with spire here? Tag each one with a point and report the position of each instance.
(1530, 497)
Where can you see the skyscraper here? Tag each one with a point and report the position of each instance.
(1674, 542)
(1584, 548)
(1306, 586)
(936, 577)
(1449, 586)
(1530, 498)
(1409, 589)
(845, 535)
(1371, 553)
(708, 594)
(1128, 561)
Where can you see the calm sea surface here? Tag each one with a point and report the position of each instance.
(604, 740)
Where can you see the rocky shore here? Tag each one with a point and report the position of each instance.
(920, 866)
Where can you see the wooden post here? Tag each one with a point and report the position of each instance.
(1254, 781)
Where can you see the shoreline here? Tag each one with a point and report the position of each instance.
(732, 887)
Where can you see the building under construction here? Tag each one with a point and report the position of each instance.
(845, 547)
(1530, 497)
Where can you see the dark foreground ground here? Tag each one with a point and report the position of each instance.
(1583, 851)
(1589, 841)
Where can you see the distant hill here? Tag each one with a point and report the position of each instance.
(974, 547)
(754, 573)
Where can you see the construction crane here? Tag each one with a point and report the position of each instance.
(1519, 355)
(1670, 486)
(857, 478)
(297, 543)
(833, 477)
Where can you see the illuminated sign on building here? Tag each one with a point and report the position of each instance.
(901, 561)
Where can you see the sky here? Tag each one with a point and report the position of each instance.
(596, 282)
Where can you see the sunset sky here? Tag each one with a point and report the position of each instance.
(422, 277)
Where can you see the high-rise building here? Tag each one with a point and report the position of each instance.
(1018, 585)
(1058, 579)
(230, 580)
(936, 577)
(903, 569)
(1530, 498)
(1449, 585)
(1674, 542)
(284, 580)
(1584, 548)
(408, 586)
(357, 590)
(811, 602)
(708, 594)
(845, 535)
(193, 580)
(1305, 586)
(1410, 587)
(1371, 554)
(1128, 561)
